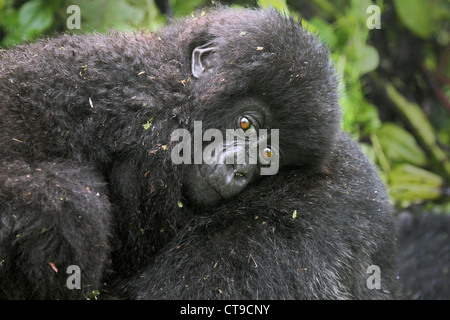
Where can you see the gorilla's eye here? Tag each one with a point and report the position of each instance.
(267, 153)
(244, 123)
(267, 156)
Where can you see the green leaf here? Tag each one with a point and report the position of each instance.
(120, 13)
(35, 17)
(369, 59)
(417, 16)
(294, 215)
(422, 126)
(148, 124)
(412, 184)
(399, 145)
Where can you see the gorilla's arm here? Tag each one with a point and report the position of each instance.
(293, 235)
(72, 113)
(53, 215)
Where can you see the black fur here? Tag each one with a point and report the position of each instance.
(52, 213)
(85, 125)
(254, 247)
(424, 255)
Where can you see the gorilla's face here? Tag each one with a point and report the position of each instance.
(238, 148)
(233, 154)
(259, 105)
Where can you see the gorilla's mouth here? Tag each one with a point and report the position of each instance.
(208, 184)
(200, 187)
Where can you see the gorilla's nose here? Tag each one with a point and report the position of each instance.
(242, 170)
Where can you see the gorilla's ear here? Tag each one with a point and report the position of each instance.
(202, 60)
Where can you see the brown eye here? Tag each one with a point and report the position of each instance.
(267, 153)
(244, 123)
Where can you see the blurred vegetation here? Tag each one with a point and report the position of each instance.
(395, 78)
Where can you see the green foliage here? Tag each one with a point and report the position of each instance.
(182, 8)
(411, 160)
(423, 129)
(347, 37)
(399, 145)
(30, 20)
(420, 16)
(280, 5)
(123, 15)
(411, 184)
(35, 17)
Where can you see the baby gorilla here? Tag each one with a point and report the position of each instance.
(89, 143)
(316, 229)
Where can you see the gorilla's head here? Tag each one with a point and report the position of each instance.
(251, 70)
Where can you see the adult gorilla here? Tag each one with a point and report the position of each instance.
(87, 172)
